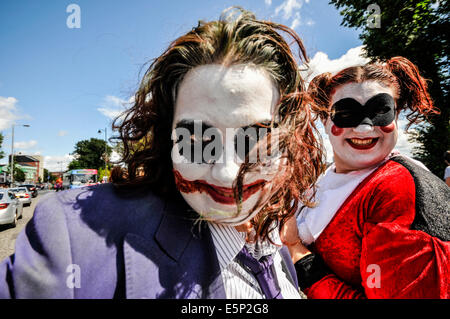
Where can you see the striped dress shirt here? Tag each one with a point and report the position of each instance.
(238, 282)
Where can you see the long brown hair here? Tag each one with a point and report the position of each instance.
(145, 129)
(398, 72)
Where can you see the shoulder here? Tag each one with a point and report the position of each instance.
(102, 197)
(97, 211)
(391, 177)
(389, 194)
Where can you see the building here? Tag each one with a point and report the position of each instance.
(4, 175)
(31, 165)
(30, 172)
(40, 169)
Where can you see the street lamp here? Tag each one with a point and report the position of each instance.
(106, 145)
(61, 167)
(12, 153)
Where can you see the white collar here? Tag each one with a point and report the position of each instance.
(229, 242)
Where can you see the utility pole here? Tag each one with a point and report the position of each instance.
(106, 147)
(12, 158)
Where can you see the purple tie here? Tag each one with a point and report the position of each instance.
(262, 270)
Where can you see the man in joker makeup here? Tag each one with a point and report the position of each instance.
(381, 228)
(195, 214)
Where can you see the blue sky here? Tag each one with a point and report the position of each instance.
(66, 83)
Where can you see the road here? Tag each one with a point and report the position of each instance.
(8, 235)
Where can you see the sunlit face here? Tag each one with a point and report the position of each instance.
(222, 101)
(367, 143)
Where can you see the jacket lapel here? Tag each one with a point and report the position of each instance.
(177, 261)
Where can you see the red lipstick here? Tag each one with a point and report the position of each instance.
(222, 195)
(362, 143)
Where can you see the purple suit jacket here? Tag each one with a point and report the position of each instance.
(97, 242)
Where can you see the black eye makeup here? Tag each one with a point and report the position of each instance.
(247, 137)
(379, 110)
(201, 143)
(198, 142)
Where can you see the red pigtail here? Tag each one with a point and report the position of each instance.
(413, 93)
(319, 90)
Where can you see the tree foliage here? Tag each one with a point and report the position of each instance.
(419, 31)
(90, 154)
(19, 175)
(48, 177)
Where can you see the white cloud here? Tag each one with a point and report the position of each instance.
(8, 110)
(62, 133)
(55, 163)
(113, 106)
(321, 63)
(109, 113)
(268, 2)
(296, 21)
(290, 11)
(403, 145)
(115, 156)
(288, 8)
(25, 145)
(326, 141)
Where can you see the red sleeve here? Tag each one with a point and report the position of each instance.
(396, 262)
(331, 287)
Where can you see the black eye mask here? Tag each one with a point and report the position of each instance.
(379, 110)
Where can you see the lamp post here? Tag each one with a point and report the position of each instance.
(106, 146)
(12, 153)
(60, 162)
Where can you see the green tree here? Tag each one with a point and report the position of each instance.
(74, 164)
(419, 31)
(47, 176)
(90, 154)
(102, 173)
(19, 175)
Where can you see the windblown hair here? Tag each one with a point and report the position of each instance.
(398, 72)
(145, 129)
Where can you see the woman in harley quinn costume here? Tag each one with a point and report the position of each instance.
(381, 225)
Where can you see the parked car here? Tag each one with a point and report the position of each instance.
(31, 188)
(11, 208)
(22, 194)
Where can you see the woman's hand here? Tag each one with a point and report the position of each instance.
(289, 236)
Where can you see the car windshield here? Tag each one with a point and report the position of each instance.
(83, 178)
(18, 190)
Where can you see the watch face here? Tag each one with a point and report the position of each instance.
(221, 113)
(362, 127)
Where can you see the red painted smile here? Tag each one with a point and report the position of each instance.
(222, 195)
(362, 143)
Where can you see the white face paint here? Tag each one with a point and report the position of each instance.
(224, 98)
(363, 146)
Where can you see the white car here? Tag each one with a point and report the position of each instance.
(22, 194)
(11, 208)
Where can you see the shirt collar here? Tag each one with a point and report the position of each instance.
(229, 242)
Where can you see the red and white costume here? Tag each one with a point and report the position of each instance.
(368, 221)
